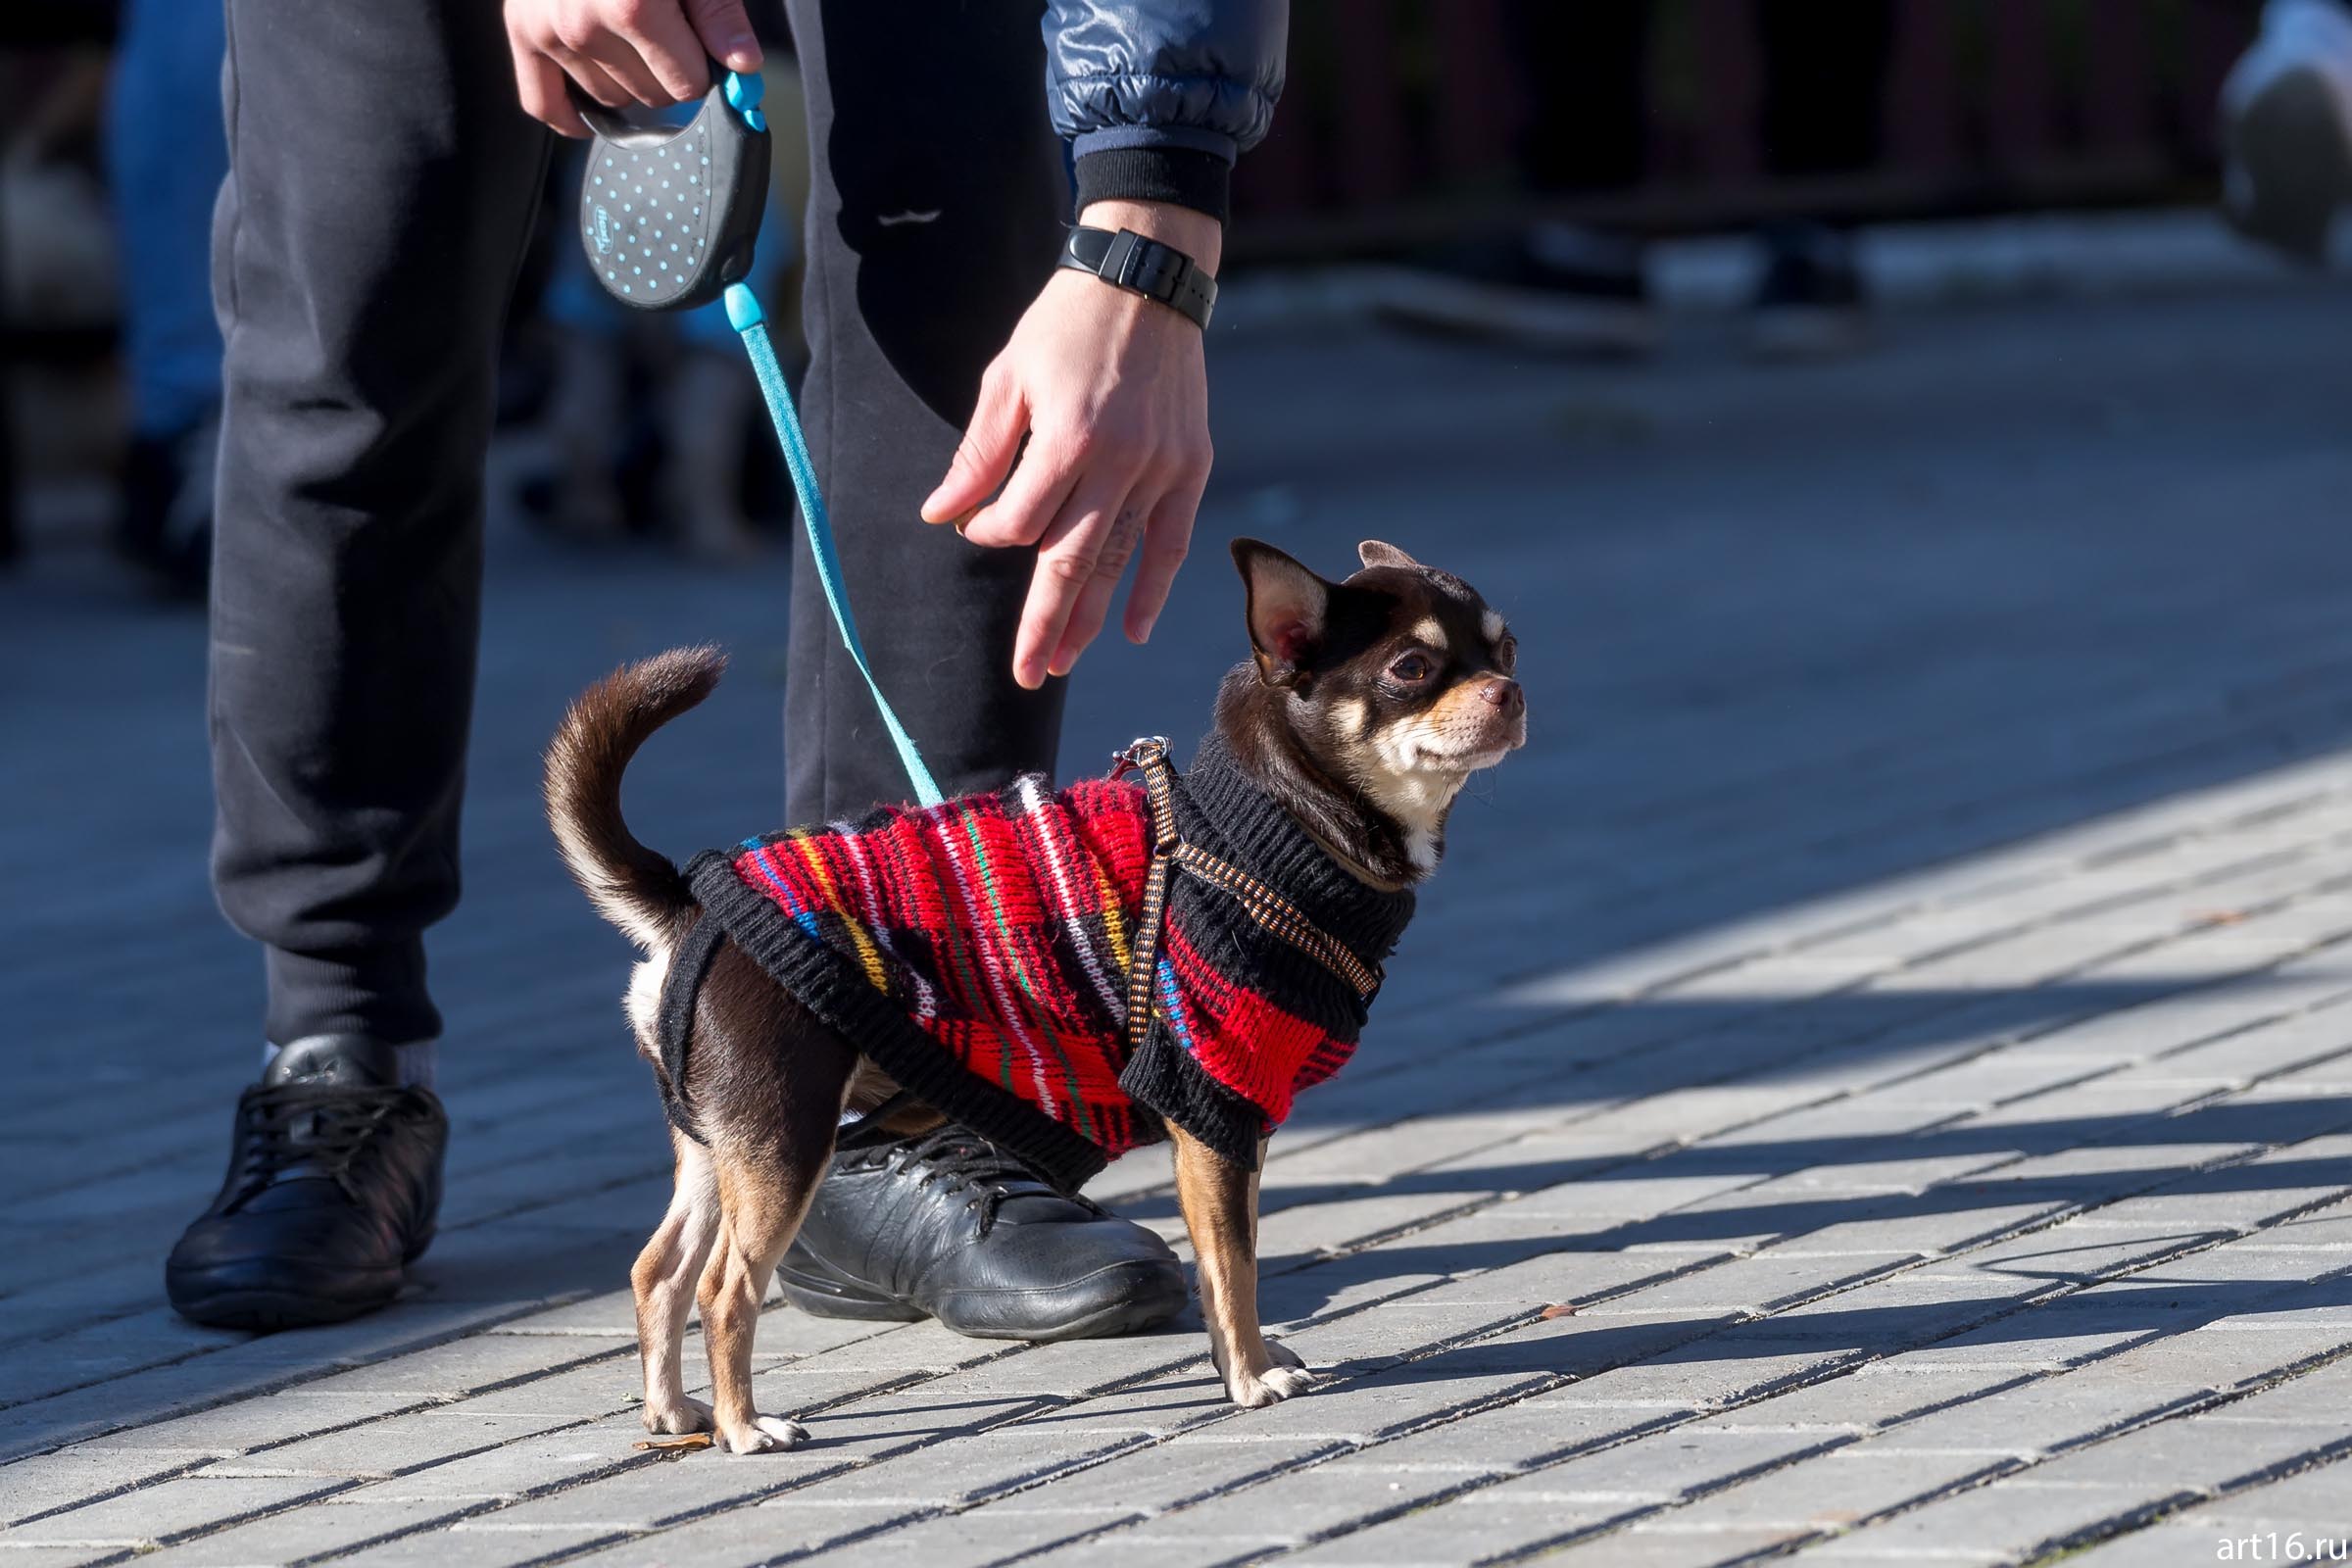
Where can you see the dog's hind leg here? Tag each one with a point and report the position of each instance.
(1219, 1200)
(764, 1201)
(664, 1278)
(768, 1081)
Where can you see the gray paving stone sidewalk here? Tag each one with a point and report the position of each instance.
(1873, 1084)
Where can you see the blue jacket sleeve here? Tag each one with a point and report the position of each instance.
(1157, 97)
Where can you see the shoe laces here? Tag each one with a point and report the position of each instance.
(955, 1160)
(302, 1129)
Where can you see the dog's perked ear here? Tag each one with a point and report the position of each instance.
(1289, 607)
(1373, 553)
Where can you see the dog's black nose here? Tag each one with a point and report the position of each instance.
(1503, 694)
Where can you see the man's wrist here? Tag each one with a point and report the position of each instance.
(1138, 264)
(1197, 234)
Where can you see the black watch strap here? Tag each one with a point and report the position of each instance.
(1126, 260)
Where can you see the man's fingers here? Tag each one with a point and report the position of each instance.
(1094, 594)
(592, 79)
(672, 51)
(990, 443)
(1067, 560)
(539, 81)
(1038, 492)
(1167, 537)
(725, 33)
(625, 67)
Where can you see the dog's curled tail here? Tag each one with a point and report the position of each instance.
(637, 890)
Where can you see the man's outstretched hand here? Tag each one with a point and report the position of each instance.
(1112, 389)
(623, 52)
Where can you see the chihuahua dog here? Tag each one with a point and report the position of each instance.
(1065, 973)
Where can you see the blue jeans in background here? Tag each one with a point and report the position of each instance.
(167, 156)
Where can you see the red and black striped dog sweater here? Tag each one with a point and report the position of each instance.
(978, 952)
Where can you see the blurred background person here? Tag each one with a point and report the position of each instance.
(1583, 288)
(165, 156)
(652, 423)
(2286, 122)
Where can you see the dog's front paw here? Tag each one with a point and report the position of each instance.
(1283, 1354)
(676, 1416)
(1271, 1384)
(763, 1434)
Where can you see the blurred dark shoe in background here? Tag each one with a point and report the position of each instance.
(1810, 303)
(709, 414)
(1555, 287)
(166, 522)
(2287, 123)
(590, 429)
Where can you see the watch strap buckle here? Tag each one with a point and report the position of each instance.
(1139, 264)
(1153, 270)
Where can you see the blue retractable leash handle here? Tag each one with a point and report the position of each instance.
(667, 216)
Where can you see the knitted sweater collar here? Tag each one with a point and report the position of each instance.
(1230, 815)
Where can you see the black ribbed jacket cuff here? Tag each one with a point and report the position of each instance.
(1202, 181)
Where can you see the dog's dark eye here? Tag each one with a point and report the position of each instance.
(1412, 666)
(1506, 654)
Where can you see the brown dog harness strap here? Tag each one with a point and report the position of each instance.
(1269, 908)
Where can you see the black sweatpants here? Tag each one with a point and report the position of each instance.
(381, 186)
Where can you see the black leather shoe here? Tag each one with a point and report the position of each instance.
(947, 1225)
(333, 1183)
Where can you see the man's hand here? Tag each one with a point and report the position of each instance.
(1112, 389)
(623, 52)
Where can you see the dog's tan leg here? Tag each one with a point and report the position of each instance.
(1220, 1210)
(766, 1080)
(764, 1200)
(664, 1278)
(1282, 1353)
(1263, 1143)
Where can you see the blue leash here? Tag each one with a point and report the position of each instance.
(664, 215)
(743, 310)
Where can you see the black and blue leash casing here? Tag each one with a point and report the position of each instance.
(668, 212)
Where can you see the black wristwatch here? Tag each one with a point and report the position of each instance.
(1126, 260)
